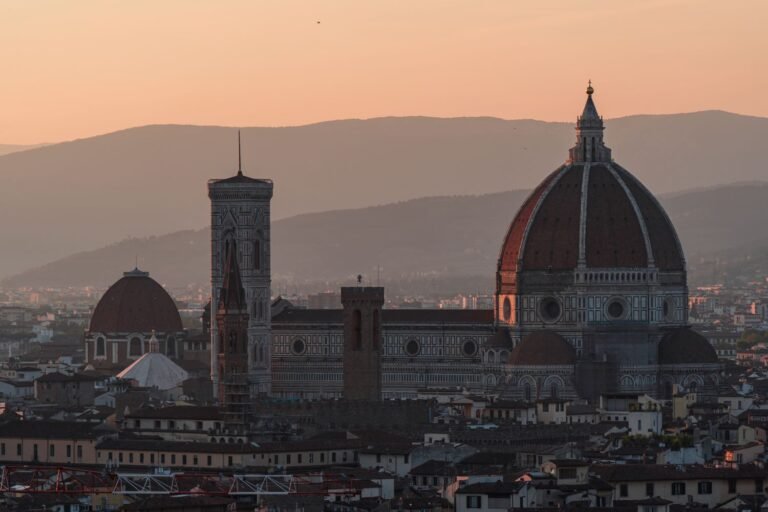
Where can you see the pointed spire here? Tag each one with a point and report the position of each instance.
(232, 293)
(239, 156)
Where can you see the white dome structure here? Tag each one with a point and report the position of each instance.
(155, 370)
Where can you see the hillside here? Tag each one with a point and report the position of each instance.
(63, 198)
(424, 238)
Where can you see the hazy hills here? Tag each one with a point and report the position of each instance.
(440, 236)
(64, 198)
(13, 148)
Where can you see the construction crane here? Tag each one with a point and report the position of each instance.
(79, 481)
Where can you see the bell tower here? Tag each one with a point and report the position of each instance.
(240, 224)
(362, 341)
(232, 357)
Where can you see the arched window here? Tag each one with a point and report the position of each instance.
(584, 147)
(170, 346)
(693, 386)
(553, 390)
(232, 340)
(375, 336)
(593, 149)
(357, 330)
(527, 392)
(135, 347)
(257, 254)
(101, 347)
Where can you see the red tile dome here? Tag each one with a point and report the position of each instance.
(542, 348)
(590, 211)
(686, 346)
(136, 303)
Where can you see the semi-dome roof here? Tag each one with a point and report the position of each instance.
(686, 346)
(542, 348)
(136, 303)
(591, 211)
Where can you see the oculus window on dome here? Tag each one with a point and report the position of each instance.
(549, 309)
(298, 347)
(469, 348)
(616, 309)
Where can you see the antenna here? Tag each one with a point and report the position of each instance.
(239, 156)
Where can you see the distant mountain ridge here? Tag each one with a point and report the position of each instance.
(63, 198)
(441, 237)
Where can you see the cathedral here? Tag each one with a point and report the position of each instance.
(591, 299)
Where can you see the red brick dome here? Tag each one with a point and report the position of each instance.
(599, 213)
(686, 346)
(542, 348)
(136, 303)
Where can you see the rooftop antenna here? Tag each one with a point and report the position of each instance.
(239, 156)
(359, 279)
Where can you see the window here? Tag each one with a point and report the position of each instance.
(758, 486)
(705, 487)
(357, 330)
(134, 347)
(130, 458)
(162, 458)
(151, 458)
(208, 460)
(194, 460)
(120, 457)
(649, 491)
(157, 425)
(79, 452)
(229, 460)
(288, 459)
(333, 456)
(623, 490)
(101, 349)
(311, 458)
(678, 488)
(184, 460)
(732, 486)
(18, 449)
(405, 459)
(322, 456)
(52, 450)
(141, 458)
(170, 346)
(2, 448)
(378, 457)
(199, 425)
(474, 501)
(298, 457)
(173, 458)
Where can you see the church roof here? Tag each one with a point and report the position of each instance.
(591, 212)
(155, 370)
(686, 346)
(542, 348)
(136, 303)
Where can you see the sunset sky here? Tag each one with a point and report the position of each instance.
(78, 68)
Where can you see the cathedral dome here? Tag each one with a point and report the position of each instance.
(590, 213)
(542, 348)
(136, 303)
(686, 346)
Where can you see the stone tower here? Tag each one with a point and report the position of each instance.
(232, 356)
(362, 341)
(240, 217)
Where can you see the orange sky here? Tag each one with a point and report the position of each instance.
(78, 68)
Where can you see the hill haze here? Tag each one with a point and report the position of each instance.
(441, 237)
(63, 198)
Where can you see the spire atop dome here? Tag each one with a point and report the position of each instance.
(589, 134)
